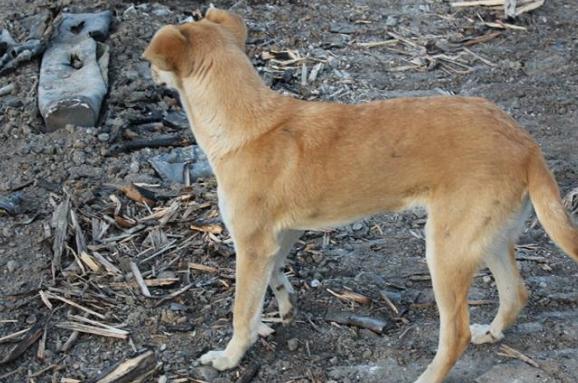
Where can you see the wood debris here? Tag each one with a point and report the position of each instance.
(509, 352)
(376, 325)
(103, 330)
(30, 337)
(350, 296)
(511, 8)
(136, 369)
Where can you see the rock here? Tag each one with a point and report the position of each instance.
(357, 226)
(11, 266)
(345, 28)
(103, 137)
(315, 283)
(205, 373)
(391, 21)
(293, 344)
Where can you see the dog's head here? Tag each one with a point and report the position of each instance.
(180, 51)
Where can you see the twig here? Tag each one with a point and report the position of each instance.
(108, 332)
(74, 304)
(374, 44)
(10, 337)
(509, 352)
(173, 295)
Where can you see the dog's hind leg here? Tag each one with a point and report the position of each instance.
(513, 294)
(279, 282)
(452, 264)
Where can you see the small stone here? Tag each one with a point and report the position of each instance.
(103, 137)
(366, 354)
(134, 167)
(293, 344)
(11, 266)
(391, 21)
(205, 373)
(357, 226)
(487, 279)
(315, 283)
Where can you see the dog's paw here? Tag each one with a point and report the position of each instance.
(481, 333)
(219, 360)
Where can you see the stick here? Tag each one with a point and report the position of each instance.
(139, 279)
(74, 304)
(74, 326)
(351, 319)
(509, 352)
(389, 302)
(374, 44)
(173, 295)
(70, 341)
(10, 337)
(156, 142)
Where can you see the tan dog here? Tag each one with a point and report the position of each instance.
(284, 165)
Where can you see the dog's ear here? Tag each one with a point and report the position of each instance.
(231, 22)
(170, 50)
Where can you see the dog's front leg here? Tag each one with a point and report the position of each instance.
(255, 260)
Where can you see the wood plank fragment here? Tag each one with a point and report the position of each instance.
(106, 332)
(131, 370)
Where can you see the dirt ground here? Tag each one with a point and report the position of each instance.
(532, 74)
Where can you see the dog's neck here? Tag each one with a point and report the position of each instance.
(228, 104)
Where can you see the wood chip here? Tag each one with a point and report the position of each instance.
(132, 370)
(139, 279)
(213, 229)
(137, 194)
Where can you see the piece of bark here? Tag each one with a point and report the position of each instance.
(29, 339)
(60, 225)
(132, 370)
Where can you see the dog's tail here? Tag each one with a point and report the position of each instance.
(545, 197)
